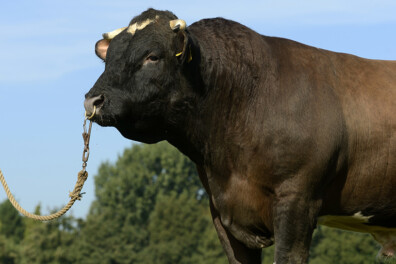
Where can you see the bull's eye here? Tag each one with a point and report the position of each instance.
(151, 59)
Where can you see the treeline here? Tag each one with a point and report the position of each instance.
(149, 208)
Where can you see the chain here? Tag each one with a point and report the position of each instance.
(86, 136)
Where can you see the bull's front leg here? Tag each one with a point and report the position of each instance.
(294, 222)
(237, 253)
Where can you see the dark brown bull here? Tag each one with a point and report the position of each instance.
(284, 136)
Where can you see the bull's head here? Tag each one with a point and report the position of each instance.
(143, 91)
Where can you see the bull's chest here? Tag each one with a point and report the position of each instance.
(245, 210)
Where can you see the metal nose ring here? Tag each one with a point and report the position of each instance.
(93, 113)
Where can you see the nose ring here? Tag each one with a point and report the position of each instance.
(93, 113)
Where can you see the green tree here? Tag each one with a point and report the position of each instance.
(209, 249)
(176, 229)
(149, 208)
(11, 232)
(12, 225)
(337, 246)
(268, 255)
(9, 251)
(48, 242)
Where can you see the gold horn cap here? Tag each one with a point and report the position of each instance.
(177, 24)
(112, 34)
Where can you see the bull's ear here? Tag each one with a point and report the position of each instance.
(101, 48)
(183, 51)
(183, 47)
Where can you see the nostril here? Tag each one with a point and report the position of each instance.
(93, 103)
(99, 100)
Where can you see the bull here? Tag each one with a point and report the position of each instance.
(284, 136)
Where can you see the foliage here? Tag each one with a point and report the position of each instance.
(12, 225)
(336, 246)
(149, 208)
(8, 250)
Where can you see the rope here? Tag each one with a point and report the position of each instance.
(74, 195)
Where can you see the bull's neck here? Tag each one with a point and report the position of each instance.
(226, 73)
(227, 89)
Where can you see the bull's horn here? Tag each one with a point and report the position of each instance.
(177, 24)
(112, 34)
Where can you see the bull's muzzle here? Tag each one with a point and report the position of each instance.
(93, 104)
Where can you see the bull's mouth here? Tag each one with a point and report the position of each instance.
(99, 110)
(100, 118)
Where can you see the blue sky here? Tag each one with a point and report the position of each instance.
(48, 64)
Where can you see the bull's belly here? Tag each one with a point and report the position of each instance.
(357, 223)
(386, 236)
